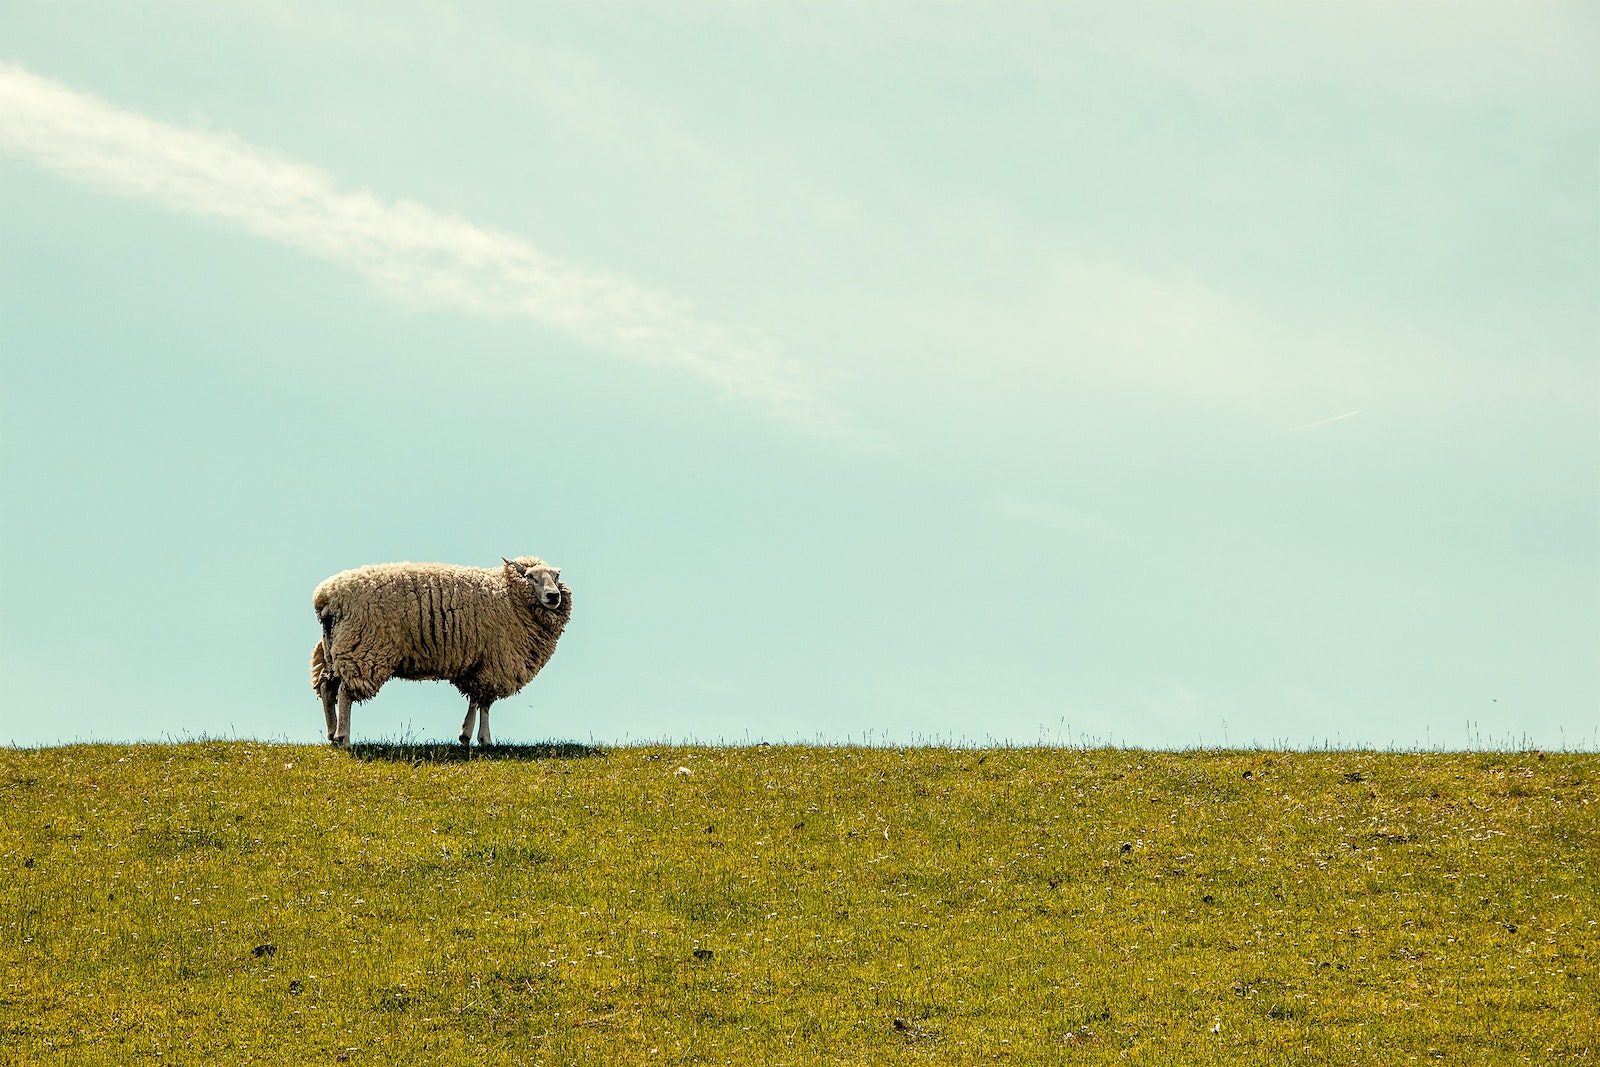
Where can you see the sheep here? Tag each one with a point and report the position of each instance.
(486, 631)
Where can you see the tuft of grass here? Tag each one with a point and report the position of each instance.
(240, 902)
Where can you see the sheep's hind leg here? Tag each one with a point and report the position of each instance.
(341, 730)
(326, 682)
(466, 724)
(483, 724)
(328, 690)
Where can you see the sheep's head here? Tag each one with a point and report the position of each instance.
(538, 582)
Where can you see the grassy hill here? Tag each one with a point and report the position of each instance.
(243, 902)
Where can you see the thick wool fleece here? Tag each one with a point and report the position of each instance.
(482, 630)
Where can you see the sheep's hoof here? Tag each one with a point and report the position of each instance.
(465, 739)
(340, 742)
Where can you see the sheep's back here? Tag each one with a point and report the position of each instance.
(428, 619)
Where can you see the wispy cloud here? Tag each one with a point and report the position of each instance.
(413, 253)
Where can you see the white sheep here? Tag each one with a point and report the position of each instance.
(485, 631)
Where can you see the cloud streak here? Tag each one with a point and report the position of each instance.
(408, 251)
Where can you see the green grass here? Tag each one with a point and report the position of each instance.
(239, 902)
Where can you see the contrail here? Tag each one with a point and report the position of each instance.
(404, 248)
(1310, 425)
(1053, 516)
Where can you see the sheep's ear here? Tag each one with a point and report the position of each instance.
(510, 564)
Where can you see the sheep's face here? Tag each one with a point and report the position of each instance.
(538, 582)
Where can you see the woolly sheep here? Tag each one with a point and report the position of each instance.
(486, 631)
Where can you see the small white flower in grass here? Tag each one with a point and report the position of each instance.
(1216, 1024)
(682, 772)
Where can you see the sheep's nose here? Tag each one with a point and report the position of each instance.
(552, 599)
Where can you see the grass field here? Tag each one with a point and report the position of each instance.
(245, 902)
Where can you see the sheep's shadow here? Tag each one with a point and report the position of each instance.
(446, 752)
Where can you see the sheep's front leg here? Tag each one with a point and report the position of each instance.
(466, 724)
(341, 730)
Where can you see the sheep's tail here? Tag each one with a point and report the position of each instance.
(322, 672)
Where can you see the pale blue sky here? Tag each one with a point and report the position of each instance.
(1154, 374)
